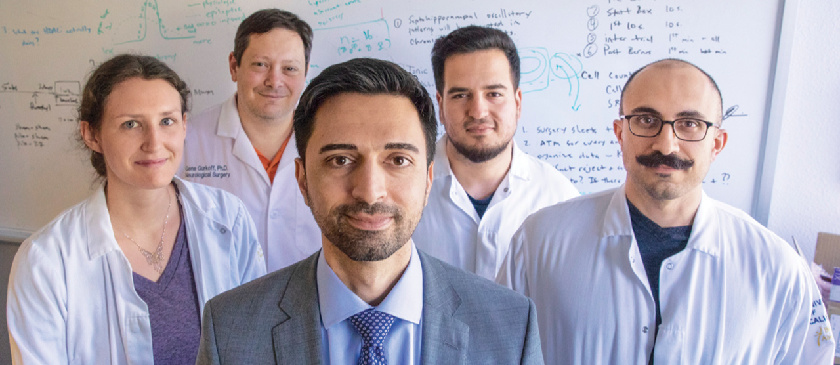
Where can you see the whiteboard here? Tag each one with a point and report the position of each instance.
(576, 56)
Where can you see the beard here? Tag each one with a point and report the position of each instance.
(665, 190)
(362, 245)
(479, 154)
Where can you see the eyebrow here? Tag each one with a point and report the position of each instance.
(402, 146)
(352, 147)
(169, 113)
(337, 146)
(456, 89)
(654, 112)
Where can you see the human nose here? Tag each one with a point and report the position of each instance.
(666, 142)
(274, 78)
(369, 183)
(478, 107)
(151, 138)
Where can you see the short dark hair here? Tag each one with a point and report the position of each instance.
(470, 39)
(363, 76)
(266, 20)
(669, 61)
(114, 71)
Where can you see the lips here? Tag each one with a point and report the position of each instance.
(479, 126)
(151, 162)
(274, 93)
(368, 222)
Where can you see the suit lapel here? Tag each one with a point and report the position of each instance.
(445, 338)
(297, 338)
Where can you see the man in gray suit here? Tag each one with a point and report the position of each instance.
(364, 129)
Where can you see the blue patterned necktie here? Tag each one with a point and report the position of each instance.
(373, 325)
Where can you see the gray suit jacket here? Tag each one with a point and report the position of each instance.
(276, 320)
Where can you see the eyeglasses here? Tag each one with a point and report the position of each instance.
(686, 129)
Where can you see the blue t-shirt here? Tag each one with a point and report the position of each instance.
(480, 205)
(655, 245)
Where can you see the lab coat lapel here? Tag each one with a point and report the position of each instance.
(445, 338)
(230, 126)
(297, 338)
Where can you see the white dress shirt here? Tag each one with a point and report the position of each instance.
(217, 152)
(451, 229)
(737, 294)
(71, 293)
(342, 344)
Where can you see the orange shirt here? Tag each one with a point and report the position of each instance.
(271, 166)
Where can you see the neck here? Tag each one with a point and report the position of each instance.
(480, 180)
(137, 210)
(266, 135)
(370, 280)
(666, 213)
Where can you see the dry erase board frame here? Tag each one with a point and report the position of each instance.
(576, 57)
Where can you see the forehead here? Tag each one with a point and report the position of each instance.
(489, 66)
(672, 89)
(136, 93)
(366, 120)
(276, 41)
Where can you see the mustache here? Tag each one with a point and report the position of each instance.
(472, 122)
(657, 159)
(375, 208)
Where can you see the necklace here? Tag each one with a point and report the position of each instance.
(155, 259)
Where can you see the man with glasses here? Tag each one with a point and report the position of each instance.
(655, 271)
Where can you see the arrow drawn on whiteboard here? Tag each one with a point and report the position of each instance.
(563, 65)
(730, 112)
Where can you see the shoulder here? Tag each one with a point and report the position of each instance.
(262, 293)
(205, 119)
(62, 234)
(210, 201)
(43, 257)
(476, 294)
(750, 235)
(546, 177)
(581, 211)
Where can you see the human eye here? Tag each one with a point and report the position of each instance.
(292, 69)
(168, 121)
(456, 96)
(401, 161)
(129, 124)
(339, 161)
(495, 94)
(691, 123)
(646, 121)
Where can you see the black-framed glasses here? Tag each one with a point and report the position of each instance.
(686, 129)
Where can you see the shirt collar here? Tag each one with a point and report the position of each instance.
(518, 165)
(405, 301)
(703, 232)
(99, 233)
(229, 124)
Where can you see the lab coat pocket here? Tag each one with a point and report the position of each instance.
(669, 346)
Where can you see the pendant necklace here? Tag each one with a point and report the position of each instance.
(155, 259)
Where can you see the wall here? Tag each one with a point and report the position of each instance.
(7, 253)
(806, 193)
(806, 196)
(572, 75)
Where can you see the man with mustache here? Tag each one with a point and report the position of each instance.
(244, 145)
(656, 271)
(485, 185)
(365, 132)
